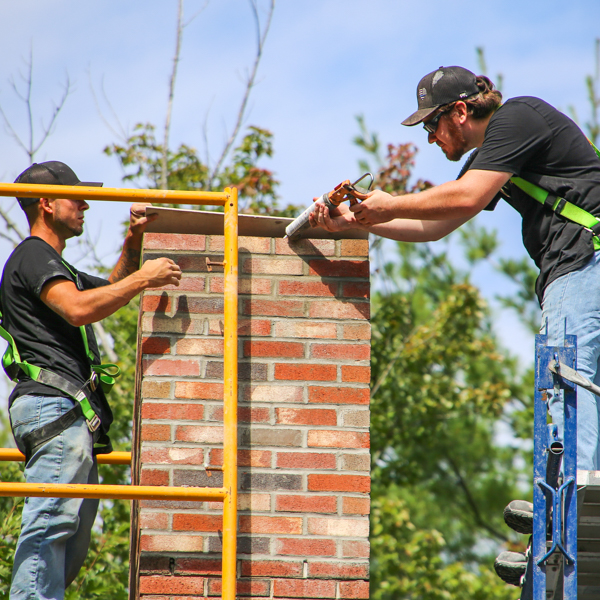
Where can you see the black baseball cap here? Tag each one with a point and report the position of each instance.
(52, 172)
(442, 86)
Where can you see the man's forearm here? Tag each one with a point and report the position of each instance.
(129, 260)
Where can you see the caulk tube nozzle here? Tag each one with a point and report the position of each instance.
(301, 221)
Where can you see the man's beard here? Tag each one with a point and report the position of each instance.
(459, 146)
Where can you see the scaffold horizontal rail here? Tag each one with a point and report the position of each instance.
(114, 458)
(107, 492)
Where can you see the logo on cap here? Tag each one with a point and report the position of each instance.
(422, 93)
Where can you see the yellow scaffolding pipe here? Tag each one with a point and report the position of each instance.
(228, 493)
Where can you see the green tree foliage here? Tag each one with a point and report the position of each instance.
(141, 158)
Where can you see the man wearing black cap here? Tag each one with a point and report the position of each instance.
(59, 413)
(521, 142)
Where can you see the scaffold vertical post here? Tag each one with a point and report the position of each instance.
(230, 387)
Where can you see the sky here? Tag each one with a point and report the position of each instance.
(324, 63)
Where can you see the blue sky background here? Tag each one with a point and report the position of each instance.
(324, 63)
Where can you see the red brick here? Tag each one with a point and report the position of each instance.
(246, 285)
(156, 389)
(254, 245)
(355, 248)
(339, 268)
(168, 456)
(305, 460)
(253, 327)
(356, 290)
(271, 568)
(305, 329)
(350, 590)
(246, 458)
(303, 588)
(305, 547)
(156, 345)
(307, 288)
(154, 477)
(305, 372)
(156, 433)
(338, 439)
(199, 390)
(156, 303)
(256, 524)
(338, 395)
(338, 570)
(274, 308)
(305, 247)
(341, 351)
(203, 347)
(156, 584)
(334, 526)
(172, 543)
(306, 504)
(199, 434)
(339, 483)
(268, 266)
(274, 349)
(188, 522)
(174, 241)
(153, 520)
(248, 587)
(165, 367)
(305, 416)
(198, 566)
(184, 412)
(246, 414)
(353, 549)
(356, 506)
(356, 374)
(337, 310)
(357, 331)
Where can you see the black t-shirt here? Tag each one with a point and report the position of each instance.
(529, 138)
(43, 338)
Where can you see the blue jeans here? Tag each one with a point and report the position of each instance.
(55, 532)
(576, 298)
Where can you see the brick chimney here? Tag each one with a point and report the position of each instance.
(304, 352)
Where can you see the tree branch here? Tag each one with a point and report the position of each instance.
(261, 38)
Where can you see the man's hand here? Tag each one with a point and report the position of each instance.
(377, 208)
(161, 271)
(337, 219)
(138, 219)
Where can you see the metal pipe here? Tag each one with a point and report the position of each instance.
(77, 192)
(114, 458)
(117, 492)
(230, 396)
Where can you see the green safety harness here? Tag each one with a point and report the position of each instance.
(103, 375)
(563, 207)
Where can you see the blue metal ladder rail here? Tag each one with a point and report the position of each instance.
(554, 505)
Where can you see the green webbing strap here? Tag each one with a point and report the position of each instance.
(560, 206)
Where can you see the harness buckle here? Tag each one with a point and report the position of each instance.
(93, 381)
(94, 423)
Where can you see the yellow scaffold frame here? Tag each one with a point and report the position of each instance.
(228, 493)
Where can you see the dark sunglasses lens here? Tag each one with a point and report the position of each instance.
(431, 126)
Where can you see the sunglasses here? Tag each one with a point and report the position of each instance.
(432, 125)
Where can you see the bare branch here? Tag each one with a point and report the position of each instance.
(119, 132)
(165, 148)
(261, 38)
(188, 22)
(105, 342)
(11, 226)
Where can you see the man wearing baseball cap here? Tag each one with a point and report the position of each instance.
(523, 141)
(59, 413)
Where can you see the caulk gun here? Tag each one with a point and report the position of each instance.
(343, 191)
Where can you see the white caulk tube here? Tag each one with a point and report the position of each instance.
(301, 222)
